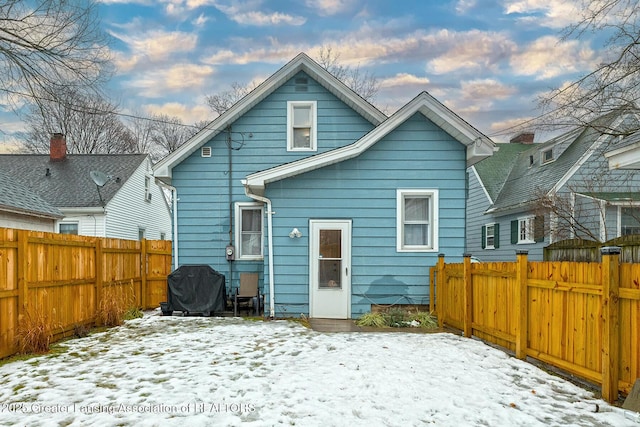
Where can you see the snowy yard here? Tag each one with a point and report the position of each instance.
(159, 371)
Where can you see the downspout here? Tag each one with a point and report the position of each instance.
(247, 191)
(174, 202)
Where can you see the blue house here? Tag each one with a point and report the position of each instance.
(337, 207)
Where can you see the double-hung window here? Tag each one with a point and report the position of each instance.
(301, 126)
(417, 219)
(529, 229)
(491, 236)
(249, 230)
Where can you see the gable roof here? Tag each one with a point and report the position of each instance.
(478, 145)
(526, 181)
(67, 183)
(301, 62)
(494, 171)
(17, 198)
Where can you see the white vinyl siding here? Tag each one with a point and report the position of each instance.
(417, 219)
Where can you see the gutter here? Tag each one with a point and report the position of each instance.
(174, 202)
(270, 213)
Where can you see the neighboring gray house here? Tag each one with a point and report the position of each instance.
(530, 195)
(336, 206)
(56, 193)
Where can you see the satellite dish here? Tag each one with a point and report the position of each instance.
(100, 178)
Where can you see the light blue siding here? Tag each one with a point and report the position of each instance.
(259, 142)
(415, 155)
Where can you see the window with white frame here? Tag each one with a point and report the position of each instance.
(490, 236)
(417, 220)
(546, 156)
(301, 126)
(68, 228)
(629, 221)
(249, 230)
(147, 188)
(526, 230)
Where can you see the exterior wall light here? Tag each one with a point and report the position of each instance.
(295, 233)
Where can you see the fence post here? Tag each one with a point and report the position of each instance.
(23, 269)
(143, 273)
(521, 304)
(99, 269)
(611, 325)
(468, 296)
(440, 285)
(432, 291)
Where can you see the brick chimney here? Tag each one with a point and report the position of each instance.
(523, 138)
(57, 148)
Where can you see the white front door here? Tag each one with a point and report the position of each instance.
(330, 261)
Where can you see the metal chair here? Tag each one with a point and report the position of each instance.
(248, 294)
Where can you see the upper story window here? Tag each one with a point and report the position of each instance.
(249, 230)
(417, 220)
(147, 188)
(301, 126)
(546, 156)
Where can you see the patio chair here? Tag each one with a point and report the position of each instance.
(248, 294)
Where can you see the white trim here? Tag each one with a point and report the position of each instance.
(624, 158)
(484, 189)
(68, 222)
(313, 137)
(486, 235)
(551, 160)
(529, 229)
(434, 223)
(239, 207)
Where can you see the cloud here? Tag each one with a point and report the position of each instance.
(463, 6)
(404, 79)
(471, 50)
(187, 114)
(544, 13)
(153, 46)
(248, 13)
(486, 89)
(330, 7)
(548, 57)
(200, 20)
(159, 82)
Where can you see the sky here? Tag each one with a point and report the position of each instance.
(195, 371)
(487, 60)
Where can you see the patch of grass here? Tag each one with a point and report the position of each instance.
(133, 313)
(398, 318)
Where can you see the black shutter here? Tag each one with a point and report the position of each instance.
(484, 237)
(496, 236)
(514, 231)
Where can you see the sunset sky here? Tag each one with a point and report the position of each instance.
(487, 60)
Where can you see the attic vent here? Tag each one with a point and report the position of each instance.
(205, 152)
(301, 84)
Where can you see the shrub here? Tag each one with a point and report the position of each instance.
(35, 331)
(115, 306)
(398, 318)
(377, 320)
(426, 320)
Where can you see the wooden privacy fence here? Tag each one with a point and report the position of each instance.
(580, 317)
(62, 278)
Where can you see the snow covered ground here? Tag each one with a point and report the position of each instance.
(163, 371)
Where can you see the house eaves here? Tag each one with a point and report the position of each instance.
(478, 145)
(627, 156)
(302, 62)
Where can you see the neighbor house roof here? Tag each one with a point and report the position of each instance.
(301, 63)
(530, 177)
(17, 198)
(627, 156)
(67, 183)
(495, 170)
(478, 145)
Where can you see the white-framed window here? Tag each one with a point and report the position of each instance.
(546, 156)
(147, 188)
(629, 220)
(301, 126)
(68, 228)
(142, 232)
(249, 230)
(417, 220)
(490, 236)
(525, 230)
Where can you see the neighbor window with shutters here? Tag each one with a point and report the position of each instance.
(249, 230)
(528, 229)
(301, 126)
(491, 236)
(417, 220)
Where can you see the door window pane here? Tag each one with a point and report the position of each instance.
(330, 263)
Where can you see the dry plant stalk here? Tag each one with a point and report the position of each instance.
(113, 306)
(35, 331)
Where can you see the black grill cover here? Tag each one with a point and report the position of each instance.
(196, 289)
